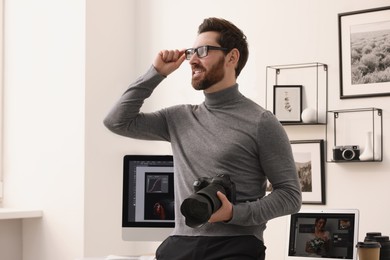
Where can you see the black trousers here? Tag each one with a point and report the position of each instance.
(211, 248)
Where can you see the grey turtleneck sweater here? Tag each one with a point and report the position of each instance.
(226, 134)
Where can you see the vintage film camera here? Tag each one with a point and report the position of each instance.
(346, 153)
(198, 208)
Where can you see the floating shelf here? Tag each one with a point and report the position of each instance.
(359, 128)
(313, 77)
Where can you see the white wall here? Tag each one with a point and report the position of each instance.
(110, 65)
(45, 106)
(1, 99)
(44, 123)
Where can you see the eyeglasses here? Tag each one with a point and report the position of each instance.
(201, 51)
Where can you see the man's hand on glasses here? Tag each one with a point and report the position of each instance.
(167, 61)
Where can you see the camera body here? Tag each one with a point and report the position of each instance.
(223, 180)
(199, 207)
(346, 153)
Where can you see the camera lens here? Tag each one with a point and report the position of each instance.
(348, 154)
(196, 209)
(199, 207)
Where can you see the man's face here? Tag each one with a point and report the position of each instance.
(209, 70)
(321, 223)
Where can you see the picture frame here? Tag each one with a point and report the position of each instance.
(287, 103)
(310, 163)
(364, 59)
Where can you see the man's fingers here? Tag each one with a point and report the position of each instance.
(170, 55)
(168, 61)
(222, 197)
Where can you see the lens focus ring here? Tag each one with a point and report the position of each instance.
(348, 154)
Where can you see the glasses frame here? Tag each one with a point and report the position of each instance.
(191, 51)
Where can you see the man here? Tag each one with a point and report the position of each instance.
(318, 245)
(226, 134)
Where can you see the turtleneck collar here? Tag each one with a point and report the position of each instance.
(223, 97)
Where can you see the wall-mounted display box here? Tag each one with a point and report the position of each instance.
(355, 135)
(313, 77)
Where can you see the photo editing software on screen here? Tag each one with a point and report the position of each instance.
(148, 195)
(329, 236)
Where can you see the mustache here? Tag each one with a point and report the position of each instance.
(197, 67)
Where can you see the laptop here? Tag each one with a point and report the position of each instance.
(322, 233)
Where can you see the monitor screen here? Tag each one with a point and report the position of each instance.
(325, 234)
(148, 197)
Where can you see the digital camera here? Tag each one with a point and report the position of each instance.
(346, 153)
(198, 208)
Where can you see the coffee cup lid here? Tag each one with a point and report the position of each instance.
(369, 244)
(371, 234)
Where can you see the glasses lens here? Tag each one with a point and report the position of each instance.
(202, 51)
(189, 53)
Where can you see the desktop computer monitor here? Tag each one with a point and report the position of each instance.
(148, 197)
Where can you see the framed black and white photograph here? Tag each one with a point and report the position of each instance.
(288, 103)
(309, 161)
(364, 40)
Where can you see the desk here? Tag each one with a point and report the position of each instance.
(114, 257)
(11, 234)
(91, 258)
(11, 213)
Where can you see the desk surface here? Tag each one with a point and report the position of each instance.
(91, 258)
(16, 213)
(116, 257)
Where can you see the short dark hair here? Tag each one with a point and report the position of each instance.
(230, 37)
(319, 218)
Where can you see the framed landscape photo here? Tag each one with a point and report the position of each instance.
(309, 161)
(364, 48)
(288, 103)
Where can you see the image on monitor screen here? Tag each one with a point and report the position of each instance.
(158, 196)
(148, 193)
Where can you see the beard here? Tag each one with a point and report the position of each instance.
(211, 77)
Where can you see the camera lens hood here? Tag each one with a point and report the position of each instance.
(197, 210)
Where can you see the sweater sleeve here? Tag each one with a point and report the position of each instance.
(277, 162)
(125, 117)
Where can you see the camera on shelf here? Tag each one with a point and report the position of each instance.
(346, 153)
(198, 208)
